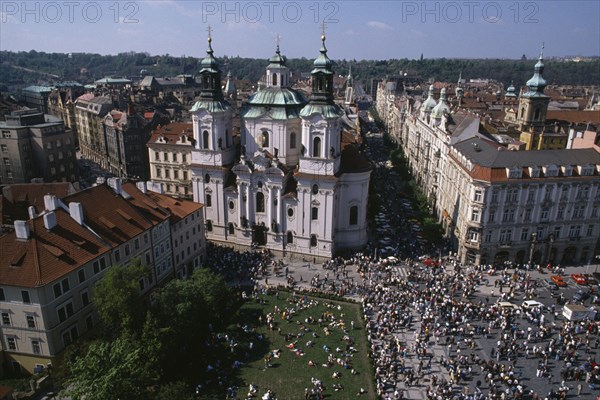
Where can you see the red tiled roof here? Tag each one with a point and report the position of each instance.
(47, 255)
(100, 204)
(578, 117)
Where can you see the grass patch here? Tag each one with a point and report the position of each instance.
(295, 322)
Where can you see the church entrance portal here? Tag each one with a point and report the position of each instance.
(259, 234)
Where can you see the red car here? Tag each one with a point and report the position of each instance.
(579, 279)
(431, 263)
(558, 280)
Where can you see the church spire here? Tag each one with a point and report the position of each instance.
(537, 83)
(210, 74)
(322, 75)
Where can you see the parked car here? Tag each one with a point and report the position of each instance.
(558, 280)
(579, 279)
(581, 296)
(531, 304)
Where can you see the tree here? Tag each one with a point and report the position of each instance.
(118, 300)
(122, 368)
(187, 312)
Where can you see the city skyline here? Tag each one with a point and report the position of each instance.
(403, 29)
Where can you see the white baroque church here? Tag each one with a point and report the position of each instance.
(298, 184)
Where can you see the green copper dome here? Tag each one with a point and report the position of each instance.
(442, 107)
(537, 83)
(430, 103)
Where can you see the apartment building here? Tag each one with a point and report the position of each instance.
(51, 262)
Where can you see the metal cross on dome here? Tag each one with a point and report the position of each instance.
(209, 30)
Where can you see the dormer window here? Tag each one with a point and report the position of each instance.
(514, 172)
(567, 170)
(534, 172)
(550, 171)
(585, 170)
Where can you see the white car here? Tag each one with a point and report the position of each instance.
(531, 304)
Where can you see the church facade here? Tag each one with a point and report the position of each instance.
(298, 182)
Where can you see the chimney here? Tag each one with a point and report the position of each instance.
(50, 202)
(76, 210)
(32, 213)
(142, 187)
(22, 229)
(50, 220)
(116, 184)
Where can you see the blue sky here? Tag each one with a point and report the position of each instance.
(354, 29)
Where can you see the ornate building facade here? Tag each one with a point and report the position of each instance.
(299, 183)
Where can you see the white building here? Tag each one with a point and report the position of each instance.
(300, 184)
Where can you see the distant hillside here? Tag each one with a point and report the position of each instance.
(19, 69)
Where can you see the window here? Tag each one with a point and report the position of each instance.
(544, 214)
(492, 216)
(30, 321)
(314, 213)
(127, 250)
(511, 196)
(260, 202)
(560, 215)
(525, 234)
(11, 343)
(185, 176)
(165, 156)
(4, 148)
(475, 215)
(70, 336)
(85, 298)
(290, 237)
(578, 211)
(136, 243)
(478, 196)
(527, 216)
(531, 196)
(231, 205)
(5, 318)
(2, 296)
(205, 139)
(174, 157)
(293, 140)
(574, 231)
(290, 212)
(156, 156)
(209, 226)
(158, 172)
(168, 173)
(315, 189)
(505, 235)
(473, 235)
(264, 138)
(206, 178)
(488, 236)
(184, 158)
(61, 287)
(25, 296)
(117, 255)
(231, 230)
(590, 230)
(557, 232)
(354, 215)
(316, 147)
(313, 240)
(96, 267)
(208, 200)
(176, 174)
(36, 348)
(508, 215)
(65, 311)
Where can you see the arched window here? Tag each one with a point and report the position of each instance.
(313, 240)
(354, 215)
(523, 113)
(293, 140)
(316, 147)
(205, 140)
(274, 79)
(208, 200)
(290, 237)
(209, 225)
(206, 178)
(260, 202)
(264, 139)
(536, 116)
(231, 228)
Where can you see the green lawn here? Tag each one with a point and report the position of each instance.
(290, 374)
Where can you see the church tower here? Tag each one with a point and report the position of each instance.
(321, 121)
(213, 150)
(533, 105)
